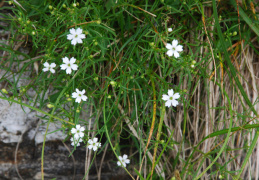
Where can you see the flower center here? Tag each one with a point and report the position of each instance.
(79, 95)
(173, 48)
(171, 98)
(93, 144)
(76, 36)
(68, 65)
(78, 131)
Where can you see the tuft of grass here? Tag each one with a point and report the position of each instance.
(124, 68)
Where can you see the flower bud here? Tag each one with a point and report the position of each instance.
(95, 78)
(78, 111)
(69, 99)
(64, 6)
(74, 4)
(33, 32)
(234, 33)
(98, 21)
(113, 83)
(50, 106)
(10, 2)
(19, 19)
(109, 96)
(5, 91)
(50, 7)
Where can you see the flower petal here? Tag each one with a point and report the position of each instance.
(52, 70)
(176, 95)
(169, 46)
(72, 31)
(174, 103)
(79, 31)
(46, 64)
(174, 43)
(170, 92)
(169, 52)
(179, 48)
(168, 103)
(65, 60)
(72, 60)
(70, 36)
(68, 71)
(74, 67)
(45, 69)
(165, 97)
(73, 42)
(63, 66)
(176, 54)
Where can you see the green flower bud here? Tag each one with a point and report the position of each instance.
(95, 43)
(78, 111)
(193, 62)
(50, 106)
(64, 6)
(10, 2)
(95, 78)
(74, 4)
(113, 83)
(109, 96)
(19, 19)
(50, 7)
(33, 32)
(5, 91)
(234, 33)
(98, 21)
(28, 21)
(69, 99)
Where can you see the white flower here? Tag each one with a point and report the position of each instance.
(79, 95)
(174, 49)
(69, 65)
(76, 36)
(123, 160)
(171, 98)
(78, 132)
(93, 144)
(75, 141)
(170, 29)
(49, 67)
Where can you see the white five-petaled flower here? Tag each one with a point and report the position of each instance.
(76, 36)
(79, 95)
(69, 65)
(49, 67)
(78, 132)
(171, 98)
(123, 160)
(75, 141)
(93, 144)
(174, 49)
(170, 29)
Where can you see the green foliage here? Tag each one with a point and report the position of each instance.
(122, 55)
